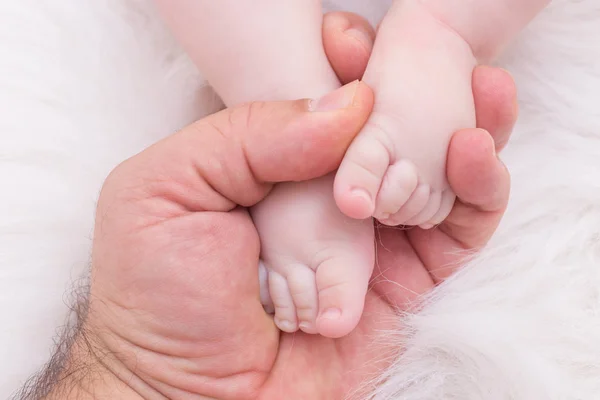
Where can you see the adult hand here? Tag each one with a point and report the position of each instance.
(174, 309)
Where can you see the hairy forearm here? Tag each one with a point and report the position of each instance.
(84, 376)
(487, 25)
(87, 376)
(79, 369)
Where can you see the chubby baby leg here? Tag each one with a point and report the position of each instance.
(254, 50)
(317, 262)
(395, 169)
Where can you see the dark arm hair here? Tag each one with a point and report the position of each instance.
(59, 376)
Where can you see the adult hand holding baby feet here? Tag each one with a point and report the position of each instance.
(318, 257)
(174, 310)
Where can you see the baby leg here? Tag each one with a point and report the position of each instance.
(317, 261)
(487, 25)
(254, 50)
(395, 169)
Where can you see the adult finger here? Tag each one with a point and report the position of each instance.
(482, 185)
(496, 105)
(348, 41)
(232, 157)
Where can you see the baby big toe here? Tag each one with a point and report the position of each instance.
(285, 311)
(342, 285)
(399, 182)
(360, 175)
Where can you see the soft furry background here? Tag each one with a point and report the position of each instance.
(85, 84)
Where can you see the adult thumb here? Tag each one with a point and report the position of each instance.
(234, 156)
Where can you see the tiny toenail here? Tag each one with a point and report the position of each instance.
(426, 226)
(285, 325)
(331, 313)
(384, 216)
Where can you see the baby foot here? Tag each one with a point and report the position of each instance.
(384, 176)
(395, 170)
(316, 262)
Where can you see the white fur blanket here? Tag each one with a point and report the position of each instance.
(85, 84)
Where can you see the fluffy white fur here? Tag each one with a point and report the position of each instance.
(84, 85)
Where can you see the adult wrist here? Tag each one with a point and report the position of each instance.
(82, 367)
(91, 372)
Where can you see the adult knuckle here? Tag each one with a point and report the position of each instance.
(250, 113)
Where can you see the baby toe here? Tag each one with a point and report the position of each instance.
(399, 182)
(446, 206)
(430, 209)
(303, 288)
(283, 303)
(413, 206)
